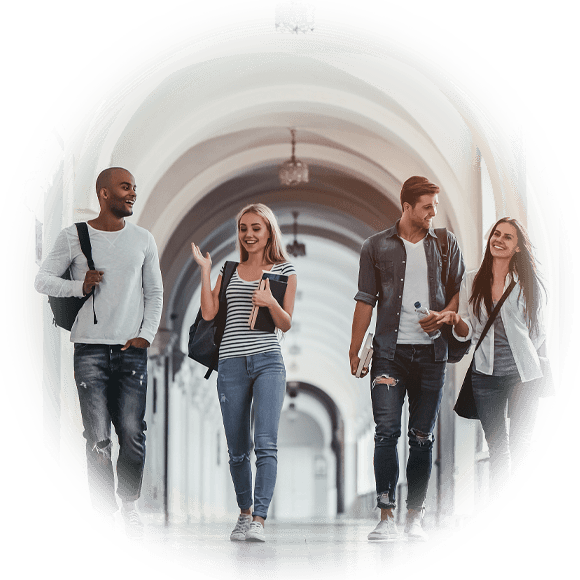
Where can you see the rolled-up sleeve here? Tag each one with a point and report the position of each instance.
(463, 310)
(48, 280)
(152, 292)
(367, 281)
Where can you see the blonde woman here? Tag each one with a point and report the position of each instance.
(251, 368)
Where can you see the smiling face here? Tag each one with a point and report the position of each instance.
(503, 242)
(422, 213)
(120, 193)
(253, 233)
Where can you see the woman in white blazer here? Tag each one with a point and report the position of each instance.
(507, 361)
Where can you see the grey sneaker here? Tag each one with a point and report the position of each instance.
(385, 531)
(255, 533)
(414, 526)
(242, 526)
(133, 523)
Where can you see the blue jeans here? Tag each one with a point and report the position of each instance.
(418, 375)
(493, 396)
(112, 388)
(260, 378)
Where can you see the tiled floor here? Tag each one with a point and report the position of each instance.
(293, 550)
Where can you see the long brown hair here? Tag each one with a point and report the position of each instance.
(523, 264)
(274, 252)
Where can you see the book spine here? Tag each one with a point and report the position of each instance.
(254, 313)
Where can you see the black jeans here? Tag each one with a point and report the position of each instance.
(112, 388)
(507, 447)
(418, 375)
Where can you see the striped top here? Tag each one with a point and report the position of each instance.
(239, 339)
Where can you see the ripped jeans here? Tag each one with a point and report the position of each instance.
(112, 388)
(507, 442)
(417, 374)
(261, 379)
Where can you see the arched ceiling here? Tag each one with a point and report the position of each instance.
(332, 206)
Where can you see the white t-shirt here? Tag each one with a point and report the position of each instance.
(415, 288)
(129, 300)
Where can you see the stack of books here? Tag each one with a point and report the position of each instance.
(260, 317)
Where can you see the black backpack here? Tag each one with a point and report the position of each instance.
(456, 349)
(65, 309)
(205, 336)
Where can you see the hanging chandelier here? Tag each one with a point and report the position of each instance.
(295, 16)
(293, 171)
(296, 248)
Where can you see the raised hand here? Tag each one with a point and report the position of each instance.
(202, 262)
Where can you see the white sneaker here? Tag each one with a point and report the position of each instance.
(414, 526)
(133, 523)
(255, 533)
(242, 525)
(386, 530)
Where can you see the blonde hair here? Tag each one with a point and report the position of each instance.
(274, 252)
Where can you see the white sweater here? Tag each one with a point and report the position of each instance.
(128, 301)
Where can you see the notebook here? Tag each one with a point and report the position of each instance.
(365, 355)
(260, 317)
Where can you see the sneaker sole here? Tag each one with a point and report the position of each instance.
(238, 538)
(412, 538)
(254, 539)
(384, 539)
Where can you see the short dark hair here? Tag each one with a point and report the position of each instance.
(414, 188)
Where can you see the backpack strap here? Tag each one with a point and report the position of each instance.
(229, 269)
(85, 240)
(83, 232)
(442, 242)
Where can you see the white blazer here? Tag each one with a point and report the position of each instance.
(524, 347)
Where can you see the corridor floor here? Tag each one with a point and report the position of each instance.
(325, 551)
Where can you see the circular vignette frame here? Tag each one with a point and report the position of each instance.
(569, 225)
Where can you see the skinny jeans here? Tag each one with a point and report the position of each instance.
(508, 441)
(421, 378)
(112, 389)
(258, 379)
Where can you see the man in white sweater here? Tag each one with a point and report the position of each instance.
(111, 335)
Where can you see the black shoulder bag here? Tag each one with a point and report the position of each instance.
(465, 404)
(205, 336)
(65, 309)
(456, 349)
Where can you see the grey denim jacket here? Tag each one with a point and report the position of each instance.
(382, 277)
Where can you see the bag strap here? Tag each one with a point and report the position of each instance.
(85, 240)
(442, 242)
(495, 312)
(229, 269)
(83, 232)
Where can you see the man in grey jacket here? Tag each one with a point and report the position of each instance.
(111, 335)
(399, 267)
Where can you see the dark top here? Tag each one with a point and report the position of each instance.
(382, 276)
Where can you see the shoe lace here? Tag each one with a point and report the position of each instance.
(133, 518)
(241, 524)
